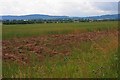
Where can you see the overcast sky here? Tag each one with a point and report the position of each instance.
(58, 7)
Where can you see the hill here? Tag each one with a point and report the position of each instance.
(46, 17)
(33, 16)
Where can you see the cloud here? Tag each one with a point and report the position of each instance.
(57, 7)
(106, 6)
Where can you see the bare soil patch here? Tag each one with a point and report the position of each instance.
(17, 48)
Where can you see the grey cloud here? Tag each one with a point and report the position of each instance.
(57, 7)
(107, 6)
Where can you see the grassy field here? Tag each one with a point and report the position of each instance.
(63, 50)
(13, 31)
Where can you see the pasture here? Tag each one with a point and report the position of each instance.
(26, 30)
(60, 50)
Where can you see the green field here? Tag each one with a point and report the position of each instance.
(60, 50)
(13, 31)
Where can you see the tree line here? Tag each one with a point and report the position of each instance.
(7, 22)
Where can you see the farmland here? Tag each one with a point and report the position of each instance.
(26, 30)
(60, 50)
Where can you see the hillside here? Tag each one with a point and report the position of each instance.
(46, 17)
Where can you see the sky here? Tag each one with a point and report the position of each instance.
(59, 7)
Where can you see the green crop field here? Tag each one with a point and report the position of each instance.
(13, 31)
(60, 50)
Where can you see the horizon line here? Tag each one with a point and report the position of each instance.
(56, 15)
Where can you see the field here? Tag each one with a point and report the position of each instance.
(16, 31)
(60, 50)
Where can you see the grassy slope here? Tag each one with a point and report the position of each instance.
(84, 62)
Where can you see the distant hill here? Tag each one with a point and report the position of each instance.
(34, 16)
(40, 16)
(103, 17)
